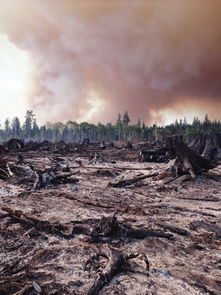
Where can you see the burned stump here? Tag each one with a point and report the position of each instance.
(187, 161)
(14, 144)
(154, 155)
(4, 169)
(207, 145)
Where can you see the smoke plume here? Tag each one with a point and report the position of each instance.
(94, 59)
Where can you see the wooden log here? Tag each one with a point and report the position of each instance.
(41, 225)
(174, 229)
(127, 182)
(109, 227)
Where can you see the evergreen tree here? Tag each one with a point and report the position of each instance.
(16, 127)
(138, 123)
(35, 129)
(29, 119)
(206, 122)
(7, 128)
(126, 119)
(119, 118)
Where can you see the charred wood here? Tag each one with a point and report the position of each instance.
(187, 161)
(154, 155)
(127, 182)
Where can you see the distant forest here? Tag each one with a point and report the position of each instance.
(122, 130)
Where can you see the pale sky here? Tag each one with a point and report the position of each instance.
(15, 68)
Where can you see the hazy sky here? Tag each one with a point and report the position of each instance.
(89, 60)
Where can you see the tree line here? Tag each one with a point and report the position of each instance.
(121, 130)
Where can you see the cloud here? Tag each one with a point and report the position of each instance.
(140, 56)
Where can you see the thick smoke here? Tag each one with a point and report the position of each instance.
(140, 56)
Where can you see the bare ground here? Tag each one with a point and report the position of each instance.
(168, 235)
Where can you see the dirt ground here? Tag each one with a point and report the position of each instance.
(169, 235)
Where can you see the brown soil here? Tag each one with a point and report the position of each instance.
(53, 241)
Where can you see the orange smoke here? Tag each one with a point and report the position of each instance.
(146, 57)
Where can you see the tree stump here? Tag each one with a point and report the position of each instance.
(187, 161)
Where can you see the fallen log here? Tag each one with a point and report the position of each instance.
(127, 182)
(41, 225)
(114, 167)
(174, 229)
(109, 228)
(195, 225)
